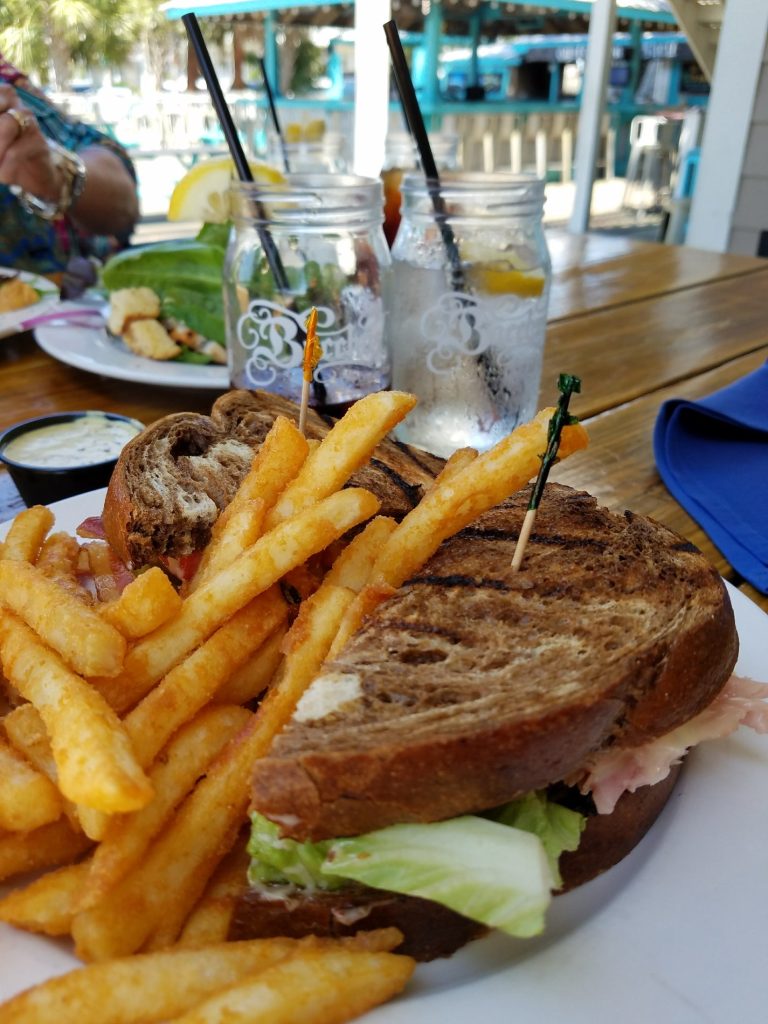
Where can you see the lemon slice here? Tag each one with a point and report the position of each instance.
(493, 280)
(203, 193)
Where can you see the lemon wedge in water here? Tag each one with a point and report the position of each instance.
(492, 279)
(203, 193)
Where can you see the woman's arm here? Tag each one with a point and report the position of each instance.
(108, 203)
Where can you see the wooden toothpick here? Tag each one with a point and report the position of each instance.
(566, 384)
(313, 353)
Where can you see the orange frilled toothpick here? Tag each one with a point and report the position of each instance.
(313, 353)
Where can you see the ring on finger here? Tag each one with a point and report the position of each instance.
(22, 120)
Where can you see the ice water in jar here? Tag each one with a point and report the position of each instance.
(313, 240)
(467, 305)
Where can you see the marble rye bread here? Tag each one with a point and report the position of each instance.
(172, 480)
(474, 684)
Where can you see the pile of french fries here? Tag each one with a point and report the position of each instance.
(134, 719)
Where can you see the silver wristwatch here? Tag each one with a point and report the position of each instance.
(72, 186)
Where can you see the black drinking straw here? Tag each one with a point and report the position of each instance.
(230, 134)
(417, 128)
(273, 111)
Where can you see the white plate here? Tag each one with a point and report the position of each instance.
(11, 323)
(94, 350)
(675, 934)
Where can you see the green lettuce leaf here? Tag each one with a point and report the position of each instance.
(274, 859)
(186, 275)
(498, 870)
(489, 872)
(558, 827)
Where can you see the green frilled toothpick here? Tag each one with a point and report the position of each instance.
(566, 384)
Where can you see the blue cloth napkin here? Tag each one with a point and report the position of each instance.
(713, 457)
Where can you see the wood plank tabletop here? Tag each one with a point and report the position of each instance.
(639, 322)
(623, 352)
(651, 271)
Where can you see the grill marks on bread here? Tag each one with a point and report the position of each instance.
(478, 683)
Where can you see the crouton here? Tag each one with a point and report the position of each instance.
(129, 304)
(149, 338)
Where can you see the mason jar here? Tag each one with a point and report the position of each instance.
(309, 156)
(401, 155)
(468, 307)
(313, 240)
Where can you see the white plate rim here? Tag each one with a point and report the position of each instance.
(94, 350)
(676, 932)
(11, 323)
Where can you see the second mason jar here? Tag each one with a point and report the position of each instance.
(468, 307)
(315, 240)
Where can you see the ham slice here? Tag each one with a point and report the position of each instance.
(609, 774)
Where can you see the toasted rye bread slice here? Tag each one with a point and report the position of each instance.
(172, 480)
(474, 684)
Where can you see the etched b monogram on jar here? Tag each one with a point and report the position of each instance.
(468, 308)
(322, 234)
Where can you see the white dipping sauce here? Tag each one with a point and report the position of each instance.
(84, 441)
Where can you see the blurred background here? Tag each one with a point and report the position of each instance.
(502, 83)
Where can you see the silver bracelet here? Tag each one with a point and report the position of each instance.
(74, 176)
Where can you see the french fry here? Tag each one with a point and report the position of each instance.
(191, 684)
(457, 500)
(144, 605)
(46, 905)
(182, 763)
(26, 534)
(58, 560)
(251, 574)
(87, 644)
(312, 987)
(186, 688)
(460, 459)
(275, 464)
(241, 529)
(28, 799)
(464, 496)
(353, 566)
(46, 847)
(172, 876)
(94, 760)
(209, 921)
(255, 676)
(366, 602)
(26, 732)
(346, 447)
(165, 887)
(151, 986)
(103, 570)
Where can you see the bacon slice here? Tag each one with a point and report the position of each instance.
(609, 774)
(92, 528)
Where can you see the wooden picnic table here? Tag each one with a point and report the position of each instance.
(639, 322)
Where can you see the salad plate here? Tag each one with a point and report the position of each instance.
(675, 933)
(14, 321)
(93, 349)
